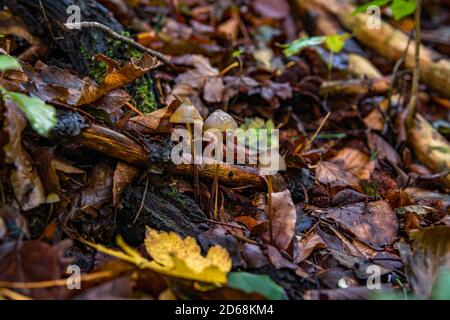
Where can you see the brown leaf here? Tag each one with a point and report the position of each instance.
(254, 257)
(278, 260)
(202, 78)
(25, 180)
(124, 174)
(30, 261)
(383, 149)
(334, 175)
(112, 101)
(283, 219)
(429, 256)
(95, 193)
(51, 83)
(346, 169)
(157, 121)
(375, 224)
(308, 244)
(355, 161)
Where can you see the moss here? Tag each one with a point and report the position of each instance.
(143, 95)
(141, 90)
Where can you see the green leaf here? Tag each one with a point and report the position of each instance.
(40, 115)
(336, 42)
(441, 288)
(364, 7)
(298, 45)
(8, 63)
(403, 8)
(254, 283)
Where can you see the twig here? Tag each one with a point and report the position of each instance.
(142, 202)
(115, 35)
(411, 109)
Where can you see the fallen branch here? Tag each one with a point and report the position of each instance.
(126, 149)
(111, 33)
(356, 87)
(391, 43)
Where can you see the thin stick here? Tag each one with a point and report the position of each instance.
(55, 283)
(130, 106)
(411, 109)
(142, 202)
(115, 35)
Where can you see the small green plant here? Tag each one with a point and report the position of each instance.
(400, 8)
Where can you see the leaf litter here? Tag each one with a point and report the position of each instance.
(86, 176)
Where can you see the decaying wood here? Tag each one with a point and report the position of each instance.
(126, 149)
(356, 87)
(391, 43)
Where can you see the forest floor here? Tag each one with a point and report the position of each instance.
(93, 205)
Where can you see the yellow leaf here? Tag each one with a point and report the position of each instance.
(175, 257)
(183, 259)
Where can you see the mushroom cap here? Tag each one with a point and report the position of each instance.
(186, 113)
(220, 120)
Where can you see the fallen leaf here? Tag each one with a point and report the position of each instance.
(25, 180)
(308, 244)
(283, 219)
(51, 83)
(334, 175)
(203, 78)
(355, 161)
(30, 261)
(95, 193)
(382, 149)
(253, 283)
(347, 168)
(124, 174)
(428, 257)
(375, 224)
(278, 260)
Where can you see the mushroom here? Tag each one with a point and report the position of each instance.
(221, 122)
(188, 114)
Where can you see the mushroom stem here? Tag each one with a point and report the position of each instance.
(269, 197)
(216, 189)
(194, 166)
